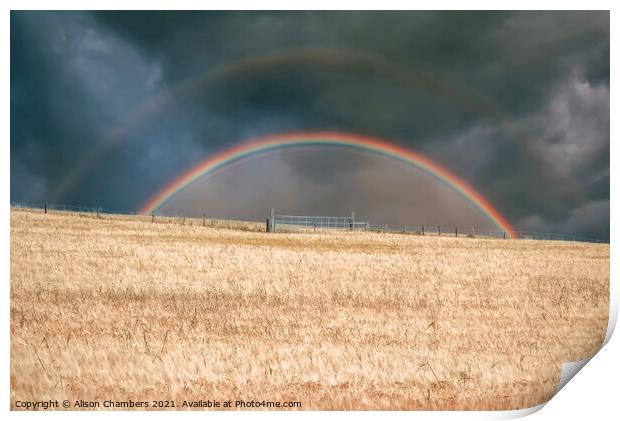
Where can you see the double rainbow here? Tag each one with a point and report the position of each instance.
(287, 140)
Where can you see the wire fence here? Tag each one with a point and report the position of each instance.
(277, 222)
(98, 212)
(288, 223)
(473, 232)
(70, 208)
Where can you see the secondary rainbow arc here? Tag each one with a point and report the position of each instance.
(365, 143)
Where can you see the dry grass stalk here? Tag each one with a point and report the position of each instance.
(122, 308)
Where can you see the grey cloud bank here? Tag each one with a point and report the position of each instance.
(516, 103)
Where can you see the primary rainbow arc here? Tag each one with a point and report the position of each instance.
(365, 143)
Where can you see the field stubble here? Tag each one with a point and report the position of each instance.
(123, 309)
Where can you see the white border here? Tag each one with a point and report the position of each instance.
(590, 394)
(306, 5)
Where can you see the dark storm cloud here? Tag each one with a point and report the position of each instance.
(516, 103)
(44, 101)
(70, 83)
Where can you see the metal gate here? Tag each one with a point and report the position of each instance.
(284, 222)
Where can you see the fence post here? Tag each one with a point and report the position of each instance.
(204, 219)
(473, 232)
(45, 207)
(504, 235)
(422, 229)
(439, 230)
(271, 221)
(456, 232)
(153, 216)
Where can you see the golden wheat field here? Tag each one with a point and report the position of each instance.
(123, 309)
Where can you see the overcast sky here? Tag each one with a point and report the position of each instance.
(107, 107)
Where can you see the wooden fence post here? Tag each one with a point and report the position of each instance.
(45, 207)
(456, 231)
(271, 221)
(504, 235)
(439, 230)
(422, 229)
(204, 220)
(153, 216)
